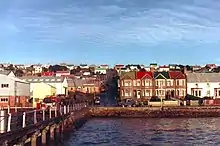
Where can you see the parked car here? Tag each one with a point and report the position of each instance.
(97, 100)
(127, 103)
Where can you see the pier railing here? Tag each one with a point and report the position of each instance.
(14, 121)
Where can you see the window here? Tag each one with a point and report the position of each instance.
(183, 82)
(177, 82)
(160, 92)
(142, 82)
(148, 83)
(134, 82)
(199, 93)
(157, 83)
(183, 92)
(127, 83)
(4, 99)
(122, 92)
(138, 82)
(5, 85)
(147, 93)
(177, 92)
(127, 92)
(168, 83)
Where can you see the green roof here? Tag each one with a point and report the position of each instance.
(161, 75)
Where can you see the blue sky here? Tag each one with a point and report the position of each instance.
(110, 31)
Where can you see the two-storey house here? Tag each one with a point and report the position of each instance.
(204, 84)
(14, 92)
(126, 84)
(144, 84)
(161, 81)
(177, 84)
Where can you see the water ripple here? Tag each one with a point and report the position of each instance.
(146, 132)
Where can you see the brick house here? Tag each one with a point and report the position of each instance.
(179, 82)
(14, 92)
(126, 81)
(162, 83)
(170, 84)
(145, 84)
(84, 85)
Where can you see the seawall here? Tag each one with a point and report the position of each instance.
(146, 112)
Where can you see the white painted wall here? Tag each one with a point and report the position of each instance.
(205, 88)
(60, 87)
(15, 88)
(101, 71)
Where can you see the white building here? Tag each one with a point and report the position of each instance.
(7, 73)
(164, 68)
(60, 83)
(13, 91)
(62, 73)
(203, 84)
(37, 68)
(99, 70)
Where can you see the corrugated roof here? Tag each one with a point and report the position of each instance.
(203, 77)
(45, 79)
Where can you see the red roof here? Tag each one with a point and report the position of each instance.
(176, 75)
(144, 74)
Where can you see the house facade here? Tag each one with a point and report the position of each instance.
(14, 92)
(145, 84)
(42, 90)
(60, 83)
(84, 85)
(204, 84)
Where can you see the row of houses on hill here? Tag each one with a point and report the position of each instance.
(28, 90)
(145, 84)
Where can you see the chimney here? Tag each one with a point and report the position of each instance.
(185, 70)
(152, 69)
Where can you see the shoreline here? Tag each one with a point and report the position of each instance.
(142, 112)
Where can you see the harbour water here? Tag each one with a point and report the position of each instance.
(144, 132)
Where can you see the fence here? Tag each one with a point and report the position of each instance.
(18, 120)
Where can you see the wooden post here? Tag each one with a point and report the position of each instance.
(35, 116)
(50, 113)
(34, 140)
(44, 137)
(57, 132)
(52, 133)
(5, 143)
(62, 131)
(9, 122)
(43, 114)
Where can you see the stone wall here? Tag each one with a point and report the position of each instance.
(188, 112)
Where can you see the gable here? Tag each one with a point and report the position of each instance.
(147, 76)
(160, 76)
(177, 75)
(128, 75)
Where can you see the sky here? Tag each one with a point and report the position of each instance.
(110, 31)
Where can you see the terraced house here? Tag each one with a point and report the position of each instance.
(145, 84)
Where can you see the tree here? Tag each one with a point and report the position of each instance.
(56, 68)
(19, 73)
(10, 67)
(44, 69)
